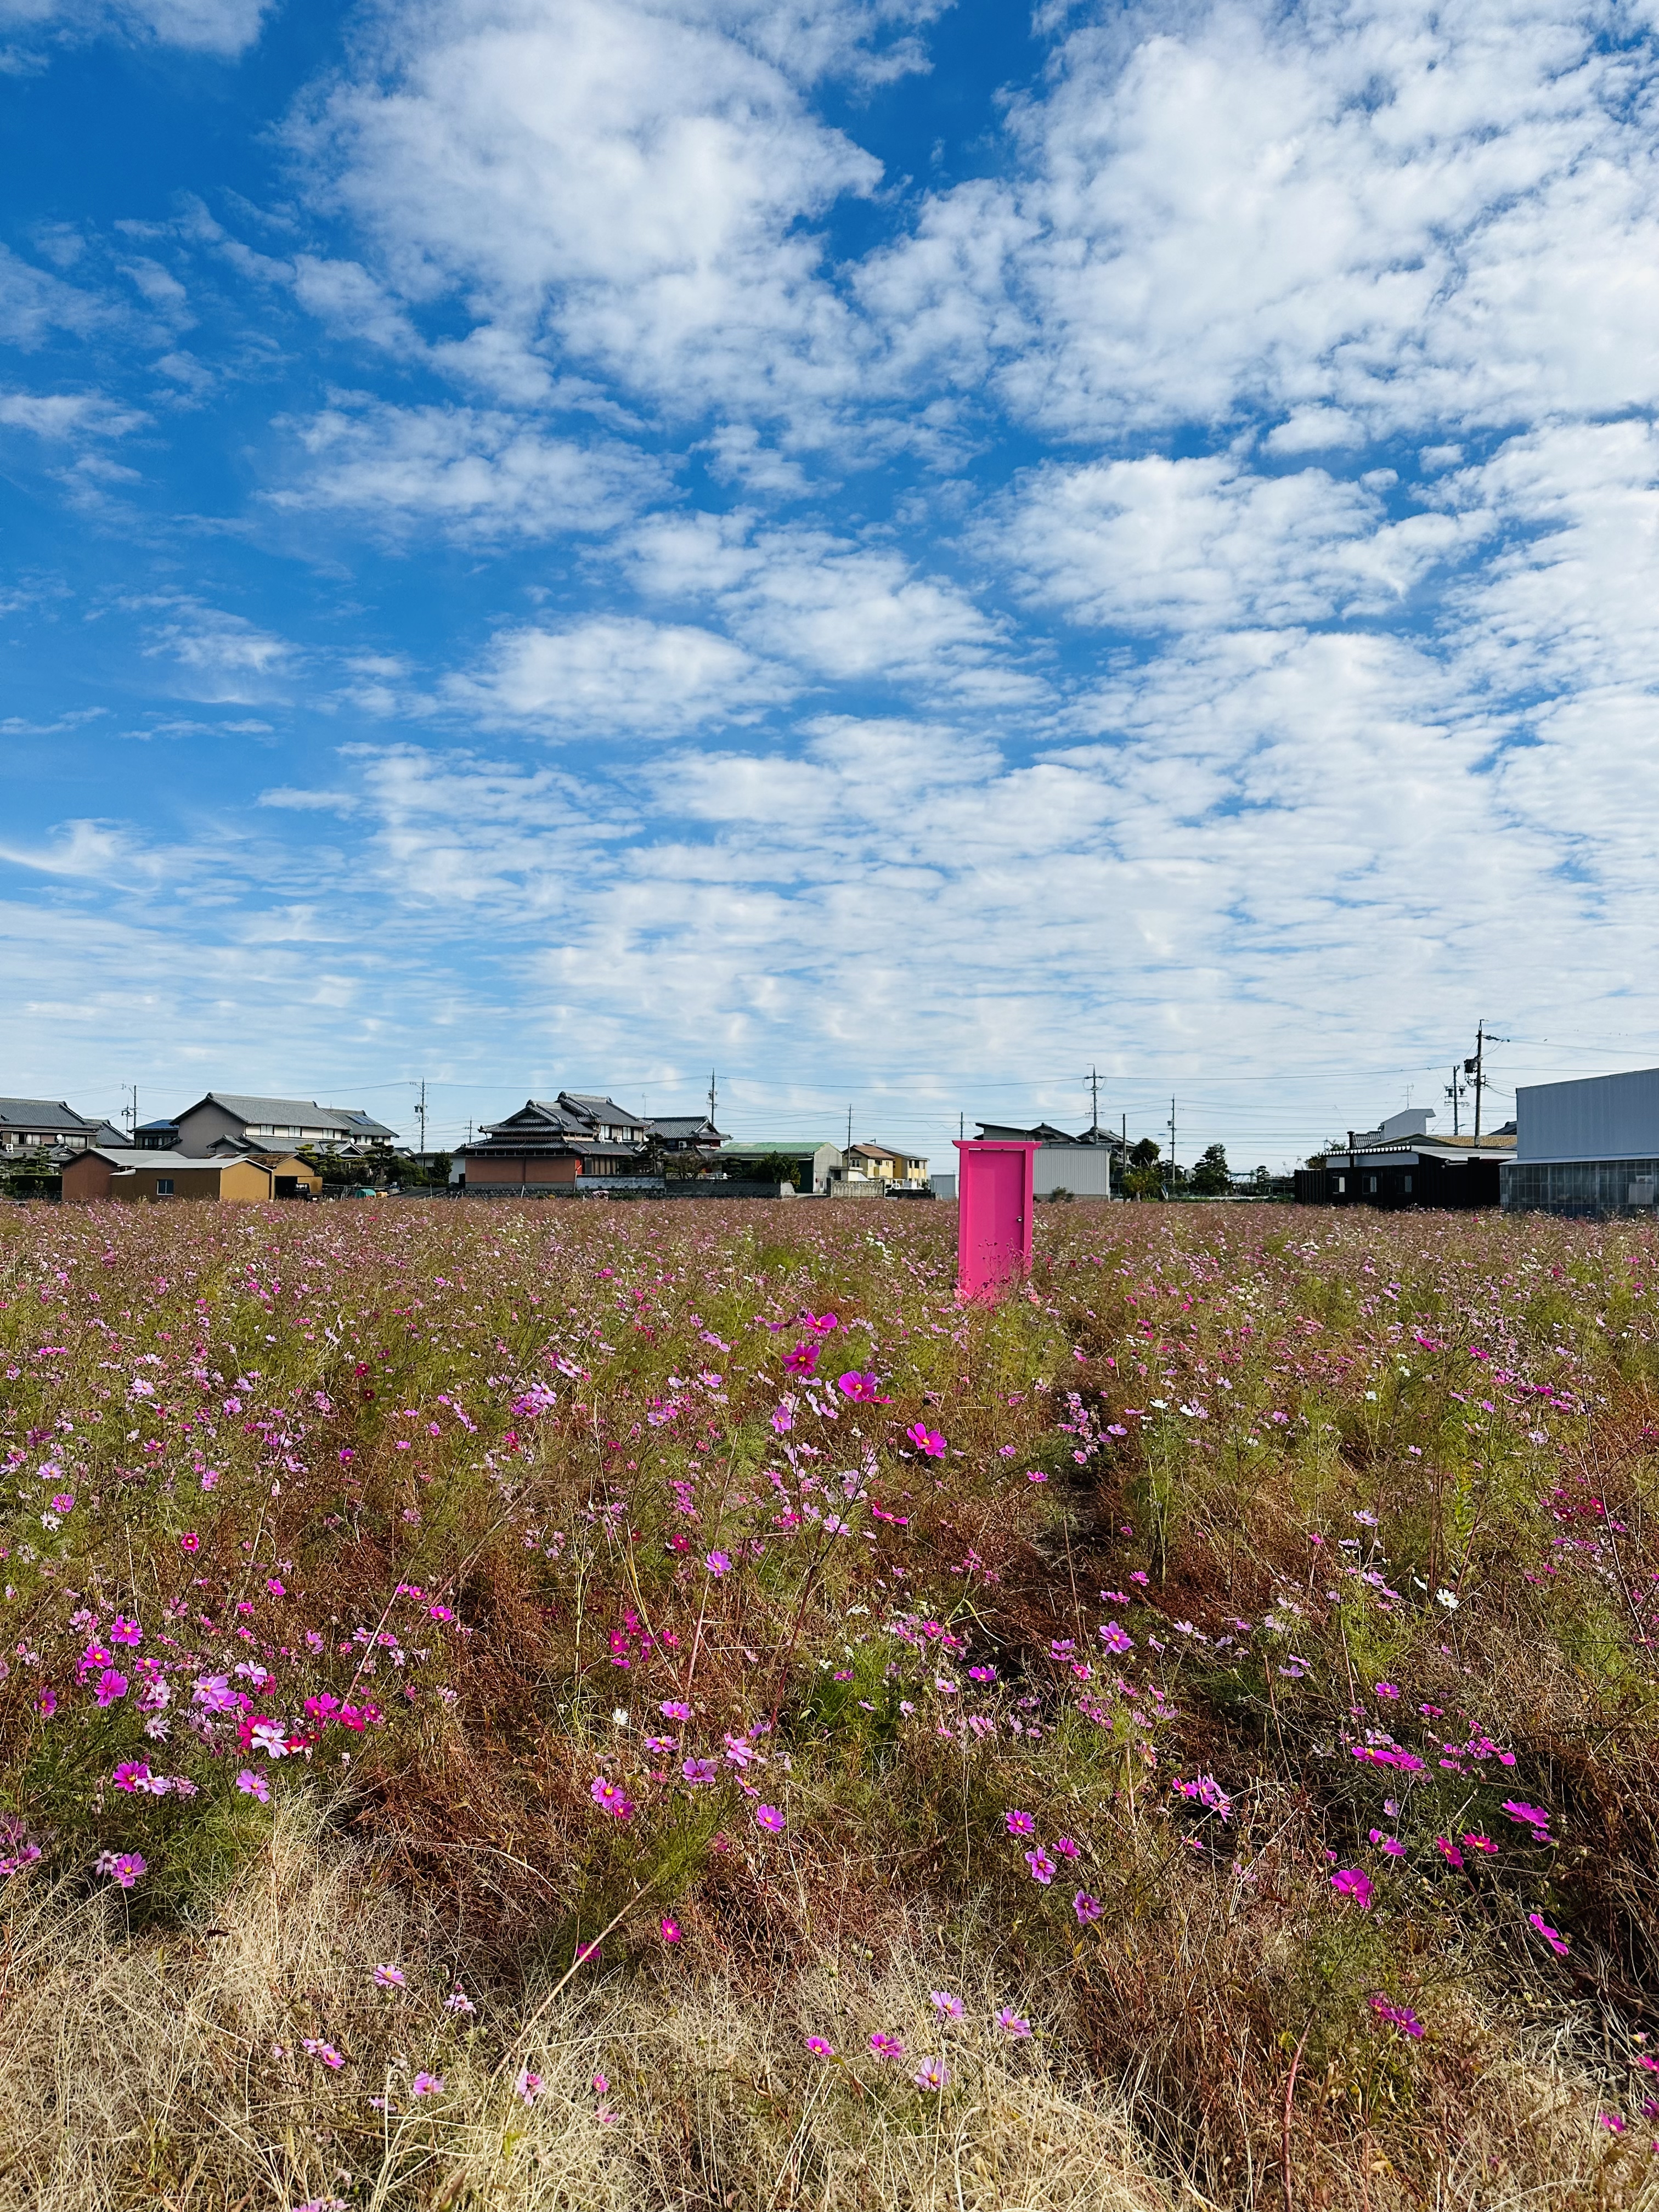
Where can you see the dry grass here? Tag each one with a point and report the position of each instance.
(137, 2069)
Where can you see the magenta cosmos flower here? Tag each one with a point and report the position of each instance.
(1557, 1942)
(718, 1563)
(610, 1798)
(1354, 1882)
(819, 2047)
(770, 1818)
(123, 1869)
(1042, 1866)
(927, 1441)
(1018, 1823)
(863, 1389)
(112, 1685)
(932, 2073)
(1115, 1638)
(803, 1360)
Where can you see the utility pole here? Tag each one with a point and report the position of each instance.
(420, 1112)
(1094, 1089)
(961, 1126)
(132, 1111)
(1473, 1067)
(1455, 1091)
(849, 1129)
(1172, 1145)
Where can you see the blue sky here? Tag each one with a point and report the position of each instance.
(902, 552)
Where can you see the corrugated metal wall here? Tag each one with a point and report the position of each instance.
(1607, 1117)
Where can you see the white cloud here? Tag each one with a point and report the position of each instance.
(223, 27)
(62, 414)
(626, 184)
(478, 476)
(1162, 544)
(615, 676)
(223, 658)
(1399, 215)
(838, 610)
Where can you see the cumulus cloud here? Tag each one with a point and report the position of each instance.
(850, 612)
(475, 475)
(1196, 544)
(632, 186)
(614, 676)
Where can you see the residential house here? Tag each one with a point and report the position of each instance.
(277, 1122)
(133, 1172)
(682, 1132)
(553, 1145)
(1400, 1164)
(1589, 1146)
(817, 1161)
(881, 1164)
(40, 1126)
(1082, 1166)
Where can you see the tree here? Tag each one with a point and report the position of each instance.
(1211, 1178)
(1145, 1177)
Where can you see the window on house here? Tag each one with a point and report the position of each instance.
(1370, 1182)
(164, 1186)
(1408, 1186)
(1341, 1184)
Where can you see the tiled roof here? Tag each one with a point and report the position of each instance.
(42, 1114)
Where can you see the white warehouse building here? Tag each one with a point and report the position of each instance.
(1586, 1147)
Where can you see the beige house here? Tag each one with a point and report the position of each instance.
(125, 1172)
(881, 1163)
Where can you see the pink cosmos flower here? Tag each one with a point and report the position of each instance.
(927, 1441)
(610, 1799)
(126, 1632)
(1400, 2016)
(819, 2048)
(131, 1773)
(1014, 2025)
(932, 2073)
(46, 1704)
(770, 1818)
(1449, 1851)
(427, 2085)
(253, 1785)
(803, 1360)
(1557, 1942)
(1115, 1638)
(1482, 1844)
(1067, 1848)
(112, 1685)
(390, 1978)
(458, 2001)
(1387, 1690)
(123, 1869)
(314, 2047)
(673, 1710)
(886, 2046)
(1354, 1882)
(190, 1541)
(1088, 1909)
(1042, 1866)
(823, 1323)
(863, 1389)
(717, 1564)
(601, 2086)
(945, 2005)
(1532, 1816)
(1018, 1823)
(527, 2085)
(63, 1501)
(669, 1930)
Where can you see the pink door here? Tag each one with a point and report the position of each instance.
(994, 1217)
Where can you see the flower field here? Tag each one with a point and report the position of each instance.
(650, 1706)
